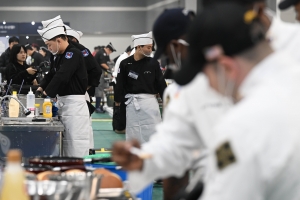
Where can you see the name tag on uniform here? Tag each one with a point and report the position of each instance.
(133, 75)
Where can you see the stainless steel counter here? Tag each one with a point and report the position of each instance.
(33, 138)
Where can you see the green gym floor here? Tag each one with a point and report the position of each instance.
(104, 137)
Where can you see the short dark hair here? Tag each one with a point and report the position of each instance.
(28, 47)
(14, 51)
(13, 39)
(62, 36)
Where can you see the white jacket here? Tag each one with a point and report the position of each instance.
(285, 36)
(182, 137)
(263, 131)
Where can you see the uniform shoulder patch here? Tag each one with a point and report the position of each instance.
(69, 55)
(225, 155)
(85, 53)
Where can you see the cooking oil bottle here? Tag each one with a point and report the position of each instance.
(14, 106)
(13, 187)
(47, 108)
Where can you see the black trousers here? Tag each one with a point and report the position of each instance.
(119, 115)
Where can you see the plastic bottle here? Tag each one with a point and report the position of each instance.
(37, 109)
(14, 106)
(47, 108)
(30, 99)
(13, 187)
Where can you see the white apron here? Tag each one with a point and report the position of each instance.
(74, 114)
(142, 115)
(87, 98)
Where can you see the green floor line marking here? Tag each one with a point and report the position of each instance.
(101, 120)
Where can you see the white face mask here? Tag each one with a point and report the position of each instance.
(57, 46)
(146, 55)
(177, 57)
(28, 60)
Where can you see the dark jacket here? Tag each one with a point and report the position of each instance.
(93, 69)
(18, 73)
(37, 59)
(67, 75)
(4, 58)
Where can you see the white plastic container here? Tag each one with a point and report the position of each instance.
(30, 99)
(14, 107)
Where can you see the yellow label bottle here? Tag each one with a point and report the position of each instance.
(14, 106)
(47, 108)
(13, 187)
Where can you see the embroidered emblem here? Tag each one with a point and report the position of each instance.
(69, 55)
(85, 53)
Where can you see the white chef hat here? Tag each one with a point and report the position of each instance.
(51, 32)
(52, 27)
(142, 39)
(53, 22)
(74, 33)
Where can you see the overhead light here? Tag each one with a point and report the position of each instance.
(7, 36)
(27, 37)
(4, 22)
(32, 23)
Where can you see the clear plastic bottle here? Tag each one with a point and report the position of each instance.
(13, 187)
(30, 99)
(37, 109)
(47, 108)
(14, 106)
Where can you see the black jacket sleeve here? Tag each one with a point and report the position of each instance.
(2, 59)
(64, 74)
(160, 81)
(121, 82)
(17, 76)
(94, 70)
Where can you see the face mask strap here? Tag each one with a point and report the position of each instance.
(56, 50)
(183, 42)
(177, 58)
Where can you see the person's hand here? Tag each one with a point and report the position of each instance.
(31, 71)
(34, 82)
(122, 156)
(39, 93)
(117, 104)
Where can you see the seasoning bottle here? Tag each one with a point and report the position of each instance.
(13, 187)
(14, 107)
(47, 108)
(37, 109)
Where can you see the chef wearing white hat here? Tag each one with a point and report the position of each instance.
(68, 80)
(139, 80)
(94, 71)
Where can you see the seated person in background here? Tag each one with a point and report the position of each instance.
(17, 70)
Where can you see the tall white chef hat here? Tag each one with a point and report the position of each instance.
(142, 39)
(52, 22)
(52, 27)
(73, 33)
